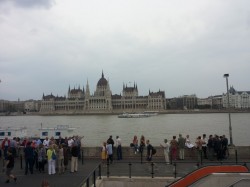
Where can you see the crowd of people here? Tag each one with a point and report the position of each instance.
(37, 153)
(213, 147)
(57, 153)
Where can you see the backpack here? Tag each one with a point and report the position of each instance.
(153, 151)
(53, 155)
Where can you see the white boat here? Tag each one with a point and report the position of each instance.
(128, 115)
(151, 113)
(56, 132)
(11, 132)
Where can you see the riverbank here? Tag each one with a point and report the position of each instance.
(72, 113)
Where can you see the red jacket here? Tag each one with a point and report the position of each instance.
(3, 143)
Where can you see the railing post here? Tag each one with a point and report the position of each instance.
(141, 150)
(94, 179)
(201, 155)
(108, 169)
(21, 161)
(100, 171)
(130, 169)
(236, 156)
(3, 164)
(198, 165)
(152, 170)
(175, 172)
(87, 182)
(82, 158)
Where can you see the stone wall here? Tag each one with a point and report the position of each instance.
(243, 152)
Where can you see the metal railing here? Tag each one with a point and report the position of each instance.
(90, 180)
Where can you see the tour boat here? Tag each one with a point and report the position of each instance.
(56, 132)
(151, 113)
(138, 115)
(11, 132)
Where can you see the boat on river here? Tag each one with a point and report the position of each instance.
(136, 115)
(11, 132)
(56, 132)
(151, 113)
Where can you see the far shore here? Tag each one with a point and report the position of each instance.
(63, 113)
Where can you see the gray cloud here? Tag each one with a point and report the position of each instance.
(181, 48)
(30, 3)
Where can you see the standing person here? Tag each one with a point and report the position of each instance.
(5, 146)
(181, 146)
(188, 143)
(60, 159)
(135, 143)
(109, 152)
(41, 157)
(118, 143)
(142, 143)
(173, 148)
(111, 141)
(165, 145)
(104, 153)
(224, 144)
(10, 162)
(204, 145)
(46, 143)
(210, 147)
(77, 142)
(66, 156)
(29, 158)
(149, 151)
(13, 145)
(199, 143)
(74, 158)
(51, 161)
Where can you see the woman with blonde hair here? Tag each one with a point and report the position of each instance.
(104, 153)
(51, 154)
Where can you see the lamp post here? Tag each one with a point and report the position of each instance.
(229, 114)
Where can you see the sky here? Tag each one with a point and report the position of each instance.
(180, 47)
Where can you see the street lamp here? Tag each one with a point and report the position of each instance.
(229, 114)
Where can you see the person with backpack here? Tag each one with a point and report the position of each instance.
(51, 155)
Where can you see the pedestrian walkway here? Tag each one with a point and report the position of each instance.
(58, 180)
(125, 168)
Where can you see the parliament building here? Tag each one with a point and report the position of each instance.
(81, 101)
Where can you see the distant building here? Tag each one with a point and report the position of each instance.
(237, 99)
(212, 102)
(102, 101)
(186, 102)
(11, 106)
(31, 106)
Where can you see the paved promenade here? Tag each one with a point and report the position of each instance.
(118, 168)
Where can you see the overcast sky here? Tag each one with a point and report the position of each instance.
(181, 47)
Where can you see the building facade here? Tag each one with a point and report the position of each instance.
(102, 101)
(237, 99)
(212, 102)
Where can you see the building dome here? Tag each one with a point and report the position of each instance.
(102, 81)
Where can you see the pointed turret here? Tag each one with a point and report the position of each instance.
(87, 89)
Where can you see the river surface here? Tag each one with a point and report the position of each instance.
(97, 128)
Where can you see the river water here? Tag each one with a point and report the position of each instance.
(97, 128)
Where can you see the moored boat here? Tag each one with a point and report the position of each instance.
(11, 132)
(56, 132)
